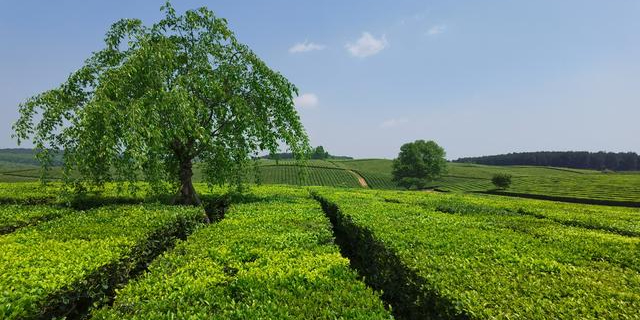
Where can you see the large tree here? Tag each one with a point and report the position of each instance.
(418, 163)
(156, 99)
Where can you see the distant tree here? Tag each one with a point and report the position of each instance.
(418, 163)
(158, 98)
(611, 161)
(319, 153)
(621, 161)
(501, 180)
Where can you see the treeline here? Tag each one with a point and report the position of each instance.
(318, 153)
(621, 161)
(288, 156)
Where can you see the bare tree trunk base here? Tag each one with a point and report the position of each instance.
(187, 196)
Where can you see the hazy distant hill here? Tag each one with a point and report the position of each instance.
(23, 156)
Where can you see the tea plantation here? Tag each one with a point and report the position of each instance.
(560, 184)
(278, 252)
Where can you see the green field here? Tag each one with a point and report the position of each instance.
(316, 253)
(541, 181)
(272, 257)
(179, 173)
(482, 257)
(56, 267)
(546, 182)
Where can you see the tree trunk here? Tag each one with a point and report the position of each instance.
(187, 194)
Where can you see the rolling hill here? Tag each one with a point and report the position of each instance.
(552, 183)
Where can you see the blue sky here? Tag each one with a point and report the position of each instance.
(478, 77)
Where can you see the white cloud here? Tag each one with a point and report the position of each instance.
(366, 45)
(306, 101)
(435, 30)
(390, 123)
(305, 47)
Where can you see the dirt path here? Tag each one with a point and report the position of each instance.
(361, 180)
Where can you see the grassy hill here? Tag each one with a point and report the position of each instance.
(528, 181)
(533, 181)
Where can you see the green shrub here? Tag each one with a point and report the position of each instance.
(13, 217)
(28, 193)
(483, 262)
(61, 266)
(624, 221)
(501, 180)
(272, 257)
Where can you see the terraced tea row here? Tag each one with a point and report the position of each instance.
(571, 185)
(625, 221)
(482, 263)
(272, 257)
(622, 187)
(60, 267)
(307, 176)
(13, 217)
(28, 193)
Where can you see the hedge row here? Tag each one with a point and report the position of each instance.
(13, 217)
(31, 193)
(28, 193)
(62, 267)
(272, 257)
(485, 265)
(625, 221)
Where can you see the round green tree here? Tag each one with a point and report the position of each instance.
(157, 99)
(418, 163)
(501, 180)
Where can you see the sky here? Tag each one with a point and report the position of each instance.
(477, 77)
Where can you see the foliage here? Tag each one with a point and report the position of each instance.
(274, 258)
(158, 98)
(430, 254)
(621, 161)
(28, 193)
(463, 256)
(583, 186)
(418, 163)
(557, 183)
(49, 269)
(17, 216)
(319, 153)
(625, 221)
(501, 180)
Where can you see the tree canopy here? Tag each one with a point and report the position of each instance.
(157, 98)
(501, 180)
(418, 163)
(621, 161)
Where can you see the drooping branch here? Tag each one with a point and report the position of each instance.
(159, 97)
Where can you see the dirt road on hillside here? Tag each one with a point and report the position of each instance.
(361, 180)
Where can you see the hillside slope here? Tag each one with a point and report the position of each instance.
(528, 181)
